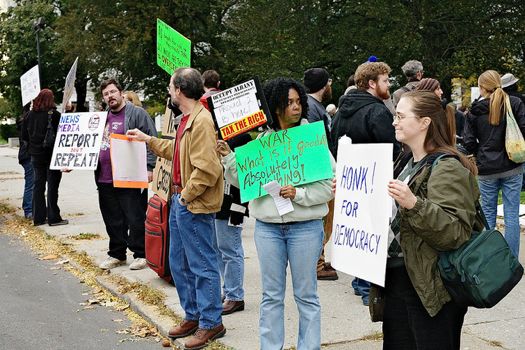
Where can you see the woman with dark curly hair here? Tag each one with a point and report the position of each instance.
(295, 238)
(34, 131)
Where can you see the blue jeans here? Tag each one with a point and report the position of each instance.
(510, 187)
(194, 266)
(299, 244)
(27, 201)
(361, 288)
(231, 259)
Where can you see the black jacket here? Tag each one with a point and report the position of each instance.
(23, 151)
(34, 130)
(365, 119)
(487, 142)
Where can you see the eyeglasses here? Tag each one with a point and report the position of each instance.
(398, 117)
(110, 92)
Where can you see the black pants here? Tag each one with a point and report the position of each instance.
(406, 323)
(123, 209)
(41, 211)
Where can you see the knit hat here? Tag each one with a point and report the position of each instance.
(508, 79)
(428, 84)
(315, 79)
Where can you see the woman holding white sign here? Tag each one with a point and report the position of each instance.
(295, 237)
(434, 211)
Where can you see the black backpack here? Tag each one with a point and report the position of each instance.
(49, 138)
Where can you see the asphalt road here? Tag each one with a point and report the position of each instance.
(40, 308)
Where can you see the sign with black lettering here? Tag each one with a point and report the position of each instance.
(362, 210)
(162, 173)
(78, 140)
(239, 109)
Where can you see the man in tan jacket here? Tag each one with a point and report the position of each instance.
(197, 194)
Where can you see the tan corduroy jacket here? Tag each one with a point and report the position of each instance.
(200, 167)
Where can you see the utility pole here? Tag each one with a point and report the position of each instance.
(39, 25)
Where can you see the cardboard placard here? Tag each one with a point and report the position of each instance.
(293, 156)
(362, 210)
(128, 162)
(173, 48)
(78, 140)
(69, 86)
(239, 109)
(162, 174)
(30, 85)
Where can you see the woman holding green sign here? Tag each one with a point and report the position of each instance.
(295, 237)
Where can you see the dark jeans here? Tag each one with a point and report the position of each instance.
(27, 201)
(123, 209)
(406, 323)
(43, 175)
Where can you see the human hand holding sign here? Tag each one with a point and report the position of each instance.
(137, 135)
(402, 194)
(223, 148)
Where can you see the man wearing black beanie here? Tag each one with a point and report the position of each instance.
(319, 88)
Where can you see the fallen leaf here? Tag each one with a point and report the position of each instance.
(122, 308)
(93, 301)
(166, 343)
(62, 262)
(50, 257)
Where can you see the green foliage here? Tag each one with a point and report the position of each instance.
(7, 131)
(243, 38)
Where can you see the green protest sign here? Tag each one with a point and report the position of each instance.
(173, 49)
(291, 157)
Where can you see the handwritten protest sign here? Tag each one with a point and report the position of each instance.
(128, 162)
(362, 210)
(239, 109)
(78, 139)
(162, 174)
(293, 156)
(173, 49)
(69, 87)
(30, 85)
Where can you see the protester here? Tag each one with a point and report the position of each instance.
(319, 88)
(211, 81)
(122, 209)
(24, 159)
(229, 225)
(434, 211)
(413, 71)
(198, 189)
(432, 85)
(364, 118)
(132, 97)
(484, 137)
(294, 238)
(34, 131)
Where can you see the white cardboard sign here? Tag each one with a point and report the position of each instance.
(362, 210)
(77, 144)
(69, 86)
(30, 85)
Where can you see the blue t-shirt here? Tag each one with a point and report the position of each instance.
(114, 125)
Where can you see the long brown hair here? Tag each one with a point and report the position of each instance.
(438, 139)
(491, 82)
(44, 102)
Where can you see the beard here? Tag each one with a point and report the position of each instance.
(327, 94)
(383, 94)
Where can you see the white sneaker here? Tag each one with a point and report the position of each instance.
(111, 262)
(138, 264)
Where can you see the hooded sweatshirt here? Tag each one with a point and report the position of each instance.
(365, 119)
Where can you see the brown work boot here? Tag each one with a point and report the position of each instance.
(201, 338)
(184, 329)
(231, 306)
(327, 273)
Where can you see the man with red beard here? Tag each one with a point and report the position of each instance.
(123, 209)
(364, 118)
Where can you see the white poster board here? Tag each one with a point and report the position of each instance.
(69, 87)
(30, 85)
(78, 140)
(362, 210)
(128, 162)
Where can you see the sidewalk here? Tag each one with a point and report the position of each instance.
(345, 321)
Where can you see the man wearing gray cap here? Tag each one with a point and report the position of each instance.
(510, 86)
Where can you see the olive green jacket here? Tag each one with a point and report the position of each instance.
(442, 219)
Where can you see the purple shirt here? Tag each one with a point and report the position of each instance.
(114, 125)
